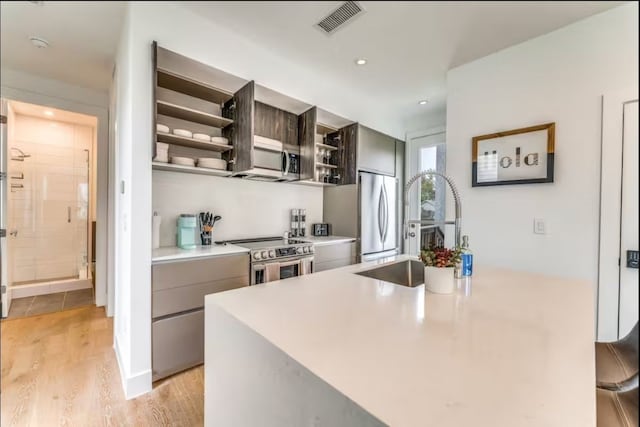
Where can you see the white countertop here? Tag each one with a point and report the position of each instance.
(174, 253)
(517, 352)
(327, 240)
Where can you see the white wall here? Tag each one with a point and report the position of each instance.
(23, 86)
(248, 208)
(558, 77)
(421, 123)
(188, 34)
(133, 207)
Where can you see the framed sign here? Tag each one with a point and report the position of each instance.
(519, 156)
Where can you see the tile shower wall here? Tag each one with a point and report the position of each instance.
(50, 211)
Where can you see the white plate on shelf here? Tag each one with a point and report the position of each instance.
(220, 140)
(183, 161)
(183, 132)
(162, 128)
(212, 163)
(202, 137)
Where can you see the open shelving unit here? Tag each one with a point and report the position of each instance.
(322, 129)
(188, 169)
(172, 81)
(326, 165)
(191, 115)
(170, 138)
(189, 96)
(326, 146)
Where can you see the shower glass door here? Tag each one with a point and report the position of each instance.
(49, 200)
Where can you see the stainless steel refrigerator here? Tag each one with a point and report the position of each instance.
(370, 211)
(378, 215)
(3, 210)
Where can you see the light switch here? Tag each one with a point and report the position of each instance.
(539, 226)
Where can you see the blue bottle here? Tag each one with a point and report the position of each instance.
(467, 257)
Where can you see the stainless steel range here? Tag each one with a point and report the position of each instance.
(274, 258)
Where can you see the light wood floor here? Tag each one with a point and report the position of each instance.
(59, 369)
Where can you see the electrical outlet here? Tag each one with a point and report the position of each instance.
(539, 226)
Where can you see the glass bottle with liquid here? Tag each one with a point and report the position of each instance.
(467, 266)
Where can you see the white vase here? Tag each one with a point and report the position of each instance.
(440, 280)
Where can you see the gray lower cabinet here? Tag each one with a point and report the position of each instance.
(335, 255)
(178, 343)
(179, 288)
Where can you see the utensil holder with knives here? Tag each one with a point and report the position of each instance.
(207, 221)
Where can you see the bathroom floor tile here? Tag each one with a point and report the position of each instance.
(46, 304)
(78, 298)
(20, 306)
(50, 303)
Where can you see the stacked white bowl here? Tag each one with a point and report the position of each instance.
(212, 163)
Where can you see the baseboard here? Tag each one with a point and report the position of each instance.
(22, 291)
(133, 385)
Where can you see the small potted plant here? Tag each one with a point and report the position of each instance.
(439, 269)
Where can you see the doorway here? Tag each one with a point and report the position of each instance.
(49, 209)
(427, 201)
(618, 277)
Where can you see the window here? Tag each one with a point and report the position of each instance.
(432, 196)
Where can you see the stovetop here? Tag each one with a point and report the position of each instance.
(265, 248)
(264, 242)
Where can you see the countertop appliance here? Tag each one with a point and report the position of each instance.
(275, 258)
(369, 211)
(323, 229)
(273, 161)
(187, 225)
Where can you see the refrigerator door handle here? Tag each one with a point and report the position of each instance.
(386, 213)
(381, 215)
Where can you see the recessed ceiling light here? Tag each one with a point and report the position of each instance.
(422, 102)
(361, 61)
(39, 42)
(48, 113)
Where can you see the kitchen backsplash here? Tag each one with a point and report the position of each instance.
(248, 208)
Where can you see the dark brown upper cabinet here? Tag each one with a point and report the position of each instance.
(327, 147)
(265, 136)
(192, 96)
(267, 131)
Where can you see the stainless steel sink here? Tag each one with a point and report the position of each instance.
(406, 273)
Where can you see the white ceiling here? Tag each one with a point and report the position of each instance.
(83, 36)
(409, 45)
(53, 114)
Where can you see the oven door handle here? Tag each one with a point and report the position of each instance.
(290, 263)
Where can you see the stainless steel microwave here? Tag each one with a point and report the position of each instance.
(272, 163)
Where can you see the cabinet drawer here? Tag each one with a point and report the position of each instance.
(188, 297)
(178, 343)
(338, 251)
(182, 273)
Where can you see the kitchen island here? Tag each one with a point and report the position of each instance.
(339, 349)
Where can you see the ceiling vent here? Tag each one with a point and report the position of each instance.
(336, 19)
